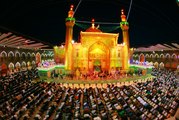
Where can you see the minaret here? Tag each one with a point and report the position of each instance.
(125, 27)
(69, 22)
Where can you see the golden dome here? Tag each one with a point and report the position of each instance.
(93, 28)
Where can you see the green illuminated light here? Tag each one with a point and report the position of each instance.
(141, 66)
(50, 68)
(124, 23)
(70, 19)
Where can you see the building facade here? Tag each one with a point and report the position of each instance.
(96, 50)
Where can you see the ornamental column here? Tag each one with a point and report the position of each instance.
(69, 22)
(125, 27)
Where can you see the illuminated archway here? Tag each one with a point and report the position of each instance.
(28, 56)
(23, 55)
(10, 54)
(162, 57)
(23, 65)
(33, 56)
(151, 56)
(38, 58)
(167, 56)
(156, 64)
(33, 64)
(142, 58)
(174, 56)
(151, 63)
(147, 56)
(161, 65)
(98, 53)
(3, 56)
(137, 57)
(3, 53)
(29, 65)
(156, 56)
(18, 66)
(11, 67)
(17, 55)
(3, 69)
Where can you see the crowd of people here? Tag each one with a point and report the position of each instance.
(21, 98)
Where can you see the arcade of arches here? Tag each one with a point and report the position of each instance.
(14, 60)
(167, 59)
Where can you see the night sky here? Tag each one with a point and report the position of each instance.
(151, 21)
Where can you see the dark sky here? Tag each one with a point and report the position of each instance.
(151, 21)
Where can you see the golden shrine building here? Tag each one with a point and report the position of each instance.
(96, 50)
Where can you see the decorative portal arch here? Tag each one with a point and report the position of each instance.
(174, 62)
(147, 56)
(167, 64)
(99, 53)
(156, 56)
(151, 56)
(3, 69)
(23, 65)
(33, 55)
(11, 67)
(18, 66)
(38, 58)
(33, 64)
(3, 53)
(17, 54)
(28, 56)
(167, 56)
(136, 57)
(45, 55)
(10, 54)
(3, 56)
(174, 56)
(141, 58)
(156, 64)
(29, 65)
(52, 55)
(23, 55)
(162, 56)
(42, 56)
(161, 65)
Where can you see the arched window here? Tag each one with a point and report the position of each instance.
(167, 56)
(23, 56)
(11, 55)
(162, 56)
(33, 56)
(28, 56)
(3, 56)
(17, 55)
(174, 57)
(151, 56)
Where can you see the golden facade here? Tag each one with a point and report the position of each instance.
(96, 50)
